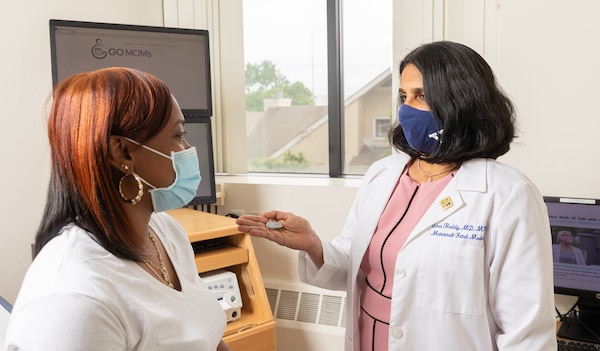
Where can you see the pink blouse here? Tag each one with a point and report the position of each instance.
(406, 206)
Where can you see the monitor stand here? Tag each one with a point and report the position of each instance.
(584, 327)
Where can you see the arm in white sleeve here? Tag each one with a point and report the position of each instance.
(521, 273)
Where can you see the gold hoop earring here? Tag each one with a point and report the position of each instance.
(140, 186)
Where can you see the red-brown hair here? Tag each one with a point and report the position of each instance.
(88, 108)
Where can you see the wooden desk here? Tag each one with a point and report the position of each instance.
(255, 329)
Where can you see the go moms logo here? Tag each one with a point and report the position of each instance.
(99, 51)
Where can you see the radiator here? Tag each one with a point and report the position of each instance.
(306, 317)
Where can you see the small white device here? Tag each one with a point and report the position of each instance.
(273, 225)
(224, 286)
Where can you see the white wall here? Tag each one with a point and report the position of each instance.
(547, 59)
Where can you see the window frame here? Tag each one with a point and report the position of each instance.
(335, 89)
(376, 133)
(416, 23)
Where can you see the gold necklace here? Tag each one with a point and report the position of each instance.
(431, 175)
(164, 274)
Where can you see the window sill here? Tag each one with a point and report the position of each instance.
(289, 179)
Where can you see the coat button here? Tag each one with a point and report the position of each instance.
(397, 333)
(401, 273)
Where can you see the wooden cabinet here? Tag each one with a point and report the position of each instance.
(255, 329)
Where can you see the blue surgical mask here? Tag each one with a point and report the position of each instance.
(420, 129)
(187, 179)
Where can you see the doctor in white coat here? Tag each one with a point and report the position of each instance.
(444, 248)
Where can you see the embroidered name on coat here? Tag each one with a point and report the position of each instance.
(464, 232)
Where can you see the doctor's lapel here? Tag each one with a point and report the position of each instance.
(375, 199)
(447, 203)
(450, 200)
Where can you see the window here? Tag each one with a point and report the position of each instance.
(380, 127)
(367, 74)
(288, 91)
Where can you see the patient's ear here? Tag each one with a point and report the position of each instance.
(118, 151)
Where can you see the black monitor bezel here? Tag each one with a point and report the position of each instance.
(212, 198)
(189, 114)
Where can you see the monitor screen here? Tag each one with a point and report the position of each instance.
(575, 227)
(180, 57)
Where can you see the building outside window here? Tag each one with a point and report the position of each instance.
(380, 127)
(285, 48)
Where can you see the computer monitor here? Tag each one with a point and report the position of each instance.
(198, 133)
(180, 57)
(575, 227)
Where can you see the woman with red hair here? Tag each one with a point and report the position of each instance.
(111, 270)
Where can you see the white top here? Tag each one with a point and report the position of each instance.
(78, 296)
(474, 274)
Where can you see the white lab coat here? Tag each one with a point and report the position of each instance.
(474, 275)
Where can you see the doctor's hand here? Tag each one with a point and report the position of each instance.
(295, 233)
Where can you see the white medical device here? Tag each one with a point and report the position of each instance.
(224, 286)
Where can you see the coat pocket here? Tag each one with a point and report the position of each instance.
(451, 279)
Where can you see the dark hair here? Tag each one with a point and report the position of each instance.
(464, 97)
(88, 108)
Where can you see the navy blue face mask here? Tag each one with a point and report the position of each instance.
(420, 129)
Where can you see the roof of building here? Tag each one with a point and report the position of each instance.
(278, 126)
